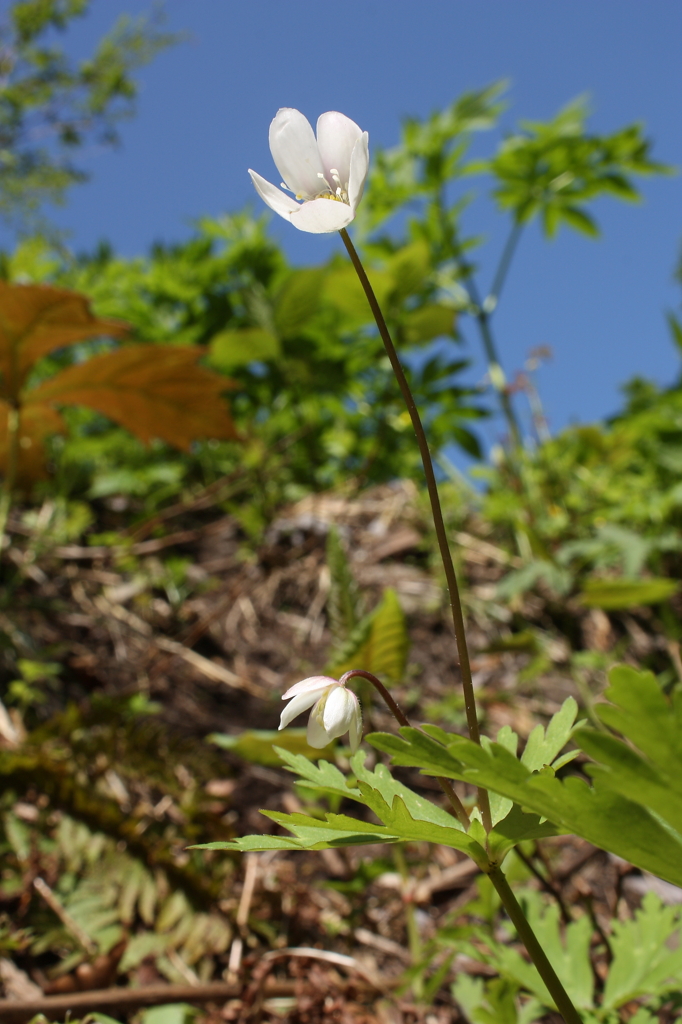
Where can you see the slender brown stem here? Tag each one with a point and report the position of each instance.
(401, 717)
(393, 706)
(432, 487)
(537, 954)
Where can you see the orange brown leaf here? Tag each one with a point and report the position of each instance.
(38, 319)
(155, 391)
(35, 424)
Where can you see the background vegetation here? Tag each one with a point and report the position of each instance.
(206, 463)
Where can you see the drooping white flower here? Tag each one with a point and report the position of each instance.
(327, 175)
(336, 710)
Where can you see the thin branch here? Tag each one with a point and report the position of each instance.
(505, 262)
(82, 937)
(494, 365)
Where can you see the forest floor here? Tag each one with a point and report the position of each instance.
(162, 657)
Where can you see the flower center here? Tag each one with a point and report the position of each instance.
(336, 189)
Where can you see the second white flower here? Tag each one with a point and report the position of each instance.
(336, 710)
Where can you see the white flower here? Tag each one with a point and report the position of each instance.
(336, 711)
(328, 173)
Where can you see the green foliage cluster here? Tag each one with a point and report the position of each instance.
(643, 956)
(631, 808)
(614, 533)
(51, 106)
(314, 384)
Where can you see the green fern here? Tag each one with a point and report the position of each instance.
(344, 604)
(379, 643)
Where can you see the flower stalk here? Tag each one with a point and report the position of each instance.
(455, 803)
(436, 511)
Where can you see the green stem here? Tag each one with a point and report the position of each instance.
(458, 619)
(432, 487)
(413, 937)
(537, 954)
(402, 719)
(11, 471)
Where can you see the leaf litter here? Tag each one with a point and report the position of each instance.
(163, 643)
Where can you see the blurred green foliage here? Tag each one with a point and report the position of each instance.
(50, 105)
(317, 406)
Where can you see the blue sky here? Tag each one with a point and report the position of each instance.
(205, 107)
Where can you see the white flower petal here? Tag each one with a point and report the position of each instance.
(277, 200)
(359, 166)
(300, 703)
(355, 730)
(309, 684)
(295, 152)
(338, 711)
(316, 734)
(336, 137)
(322, 215)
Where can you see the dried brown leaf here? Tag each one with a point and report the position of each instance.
(38, 319)
(35, 424)
(155, 391)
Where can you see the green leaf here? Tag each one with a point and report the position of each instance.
(409, 269)
(515, 828)
(336, 830)
(383, 782)
(542, 747)
(140, 947)
(417, 750)
(614, 594)
(518, 581)
(384, 644)
(298, 301)
(252, 844)
(675, 329)
(324, 777)
(233, 348)
(343, 290)
(580, 220)
(652, 774)
(259, 746)
(569, 957)
(643, 961)
(405, 816)
(169, 1013)
(500, 805)
(344, 603)
(429, 322)
(603, 817)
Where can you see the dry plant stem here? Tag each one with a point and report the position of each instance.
(432, 487)
(88, 944)
(535, 950)
(445, 784)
